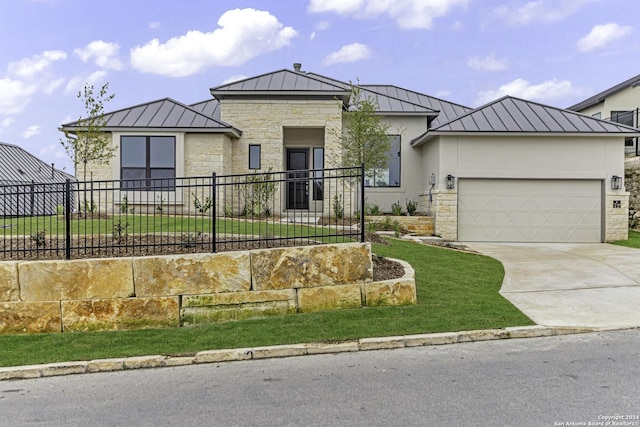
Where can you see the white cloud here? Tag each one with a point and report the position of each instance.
(602, 35)
(442, 93)
(539, 11)
(233, 78)
(6, 122)
(488, 63)
(312, 35)
(408, 14)
(350, 53)
(30, 132)
(322, 25)
(14, 95)
(77, 83)
(243, 35)
(53, 85)
(521, 88)
(154, 25)
(104, 54)
(29, 68)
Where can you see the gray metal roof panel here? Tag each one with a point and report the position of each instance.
(18, 165)
(448, 110)
(515, 115)
(161, 114)
(209, 107)
(599, 97)
(278, 81)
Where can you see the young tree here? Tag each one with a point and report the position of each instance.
(90, 144)
(364, 137)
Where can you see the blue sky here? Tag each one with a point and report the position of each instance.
(557, 52)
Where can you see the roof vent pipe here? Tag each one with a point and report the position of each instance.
(297, 67)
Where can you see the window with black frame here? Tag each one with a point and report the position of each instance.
(388, 176)
(148, 163)
(318, 165)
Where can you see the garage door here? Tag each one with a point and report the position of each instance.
(505, 210)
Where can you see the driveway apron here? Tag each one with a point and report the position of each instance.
(572, 285)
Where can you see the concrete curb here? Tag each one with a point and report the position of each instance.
(218, 356)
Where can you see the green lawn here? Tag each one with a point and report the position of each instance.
(632, 242)
(147, 224)
(456, 291)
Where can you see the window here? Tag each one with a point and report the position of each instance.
(622, 117)
(254, 156)
(389, 176)
(318, 163)
(148, 162)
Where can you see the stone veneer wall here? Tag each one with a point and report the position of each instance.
(445, 213)
(175, 290)
(632, 185)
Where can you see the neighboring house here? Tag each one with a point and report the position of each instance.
(512, 170)
(28, 186)
(621, 104)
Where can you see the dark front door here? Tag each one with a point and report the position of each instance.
(297, 178)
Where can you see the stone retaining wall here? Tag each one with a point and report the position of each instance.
(176, 290)
(419, 225)
(632, 185)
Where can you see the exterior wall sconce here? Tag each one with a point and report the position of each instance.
(451, 182)
(616, 182)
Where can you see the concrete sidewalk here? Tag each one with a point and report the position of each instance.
(570, 285)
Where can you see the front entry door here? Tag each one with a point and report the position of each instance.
(298, 181)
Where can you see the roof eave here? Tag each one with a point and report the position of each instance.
(428, 136)
(230, 131)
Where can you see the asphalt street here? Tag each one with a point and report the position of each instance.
(551, 381)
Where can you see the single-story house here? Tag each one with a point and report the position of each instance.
(511, 170)
(619, 103)
(28, 186)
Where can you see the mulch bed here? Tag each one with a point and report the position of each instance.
(27, 249)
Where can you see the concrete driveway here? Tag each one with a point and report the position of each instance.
(574, 285)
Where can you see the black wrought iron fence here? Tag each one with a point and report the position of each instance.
(140, 217)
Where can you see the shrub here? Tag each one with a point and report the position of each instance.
(202, 207)
(396, 208)
(412, 207)
(338, 207)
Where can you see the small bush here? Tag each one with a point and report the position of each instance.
(39, 239)
(396, 208)
(373, 209)
(202, 207)
(412, 207)
(120, 232)
(338, 207)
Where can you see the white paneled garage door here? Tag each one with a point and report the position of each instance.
(510, 210)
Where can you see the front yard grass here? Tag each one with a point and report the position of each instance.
(632, 242)
(456, 291)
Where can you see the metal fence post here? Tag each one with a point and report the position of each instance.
(362, 202)
(214, 210)
(67, 218)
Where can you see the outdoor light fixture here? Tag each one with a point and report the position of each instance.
(451, 182)
(616, 182)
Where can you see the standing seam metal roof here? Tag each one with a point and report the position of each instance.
(17, 165)
(515, 115)
(599, 97)
(164, 113)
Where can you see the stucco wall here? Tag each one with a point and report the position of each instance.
(525, 157)
(169, 291)
(412, 180)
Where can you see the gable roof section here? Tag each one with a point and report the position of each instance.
(599, 97)
(282, 82)
(509, 115)
(447, 110)
(161, 115)
(18, 165)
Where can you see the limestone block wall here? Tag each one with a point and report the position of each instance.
(632, 185)
(419, 225)
(617, 216)
(177, 290)
(445, 213)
